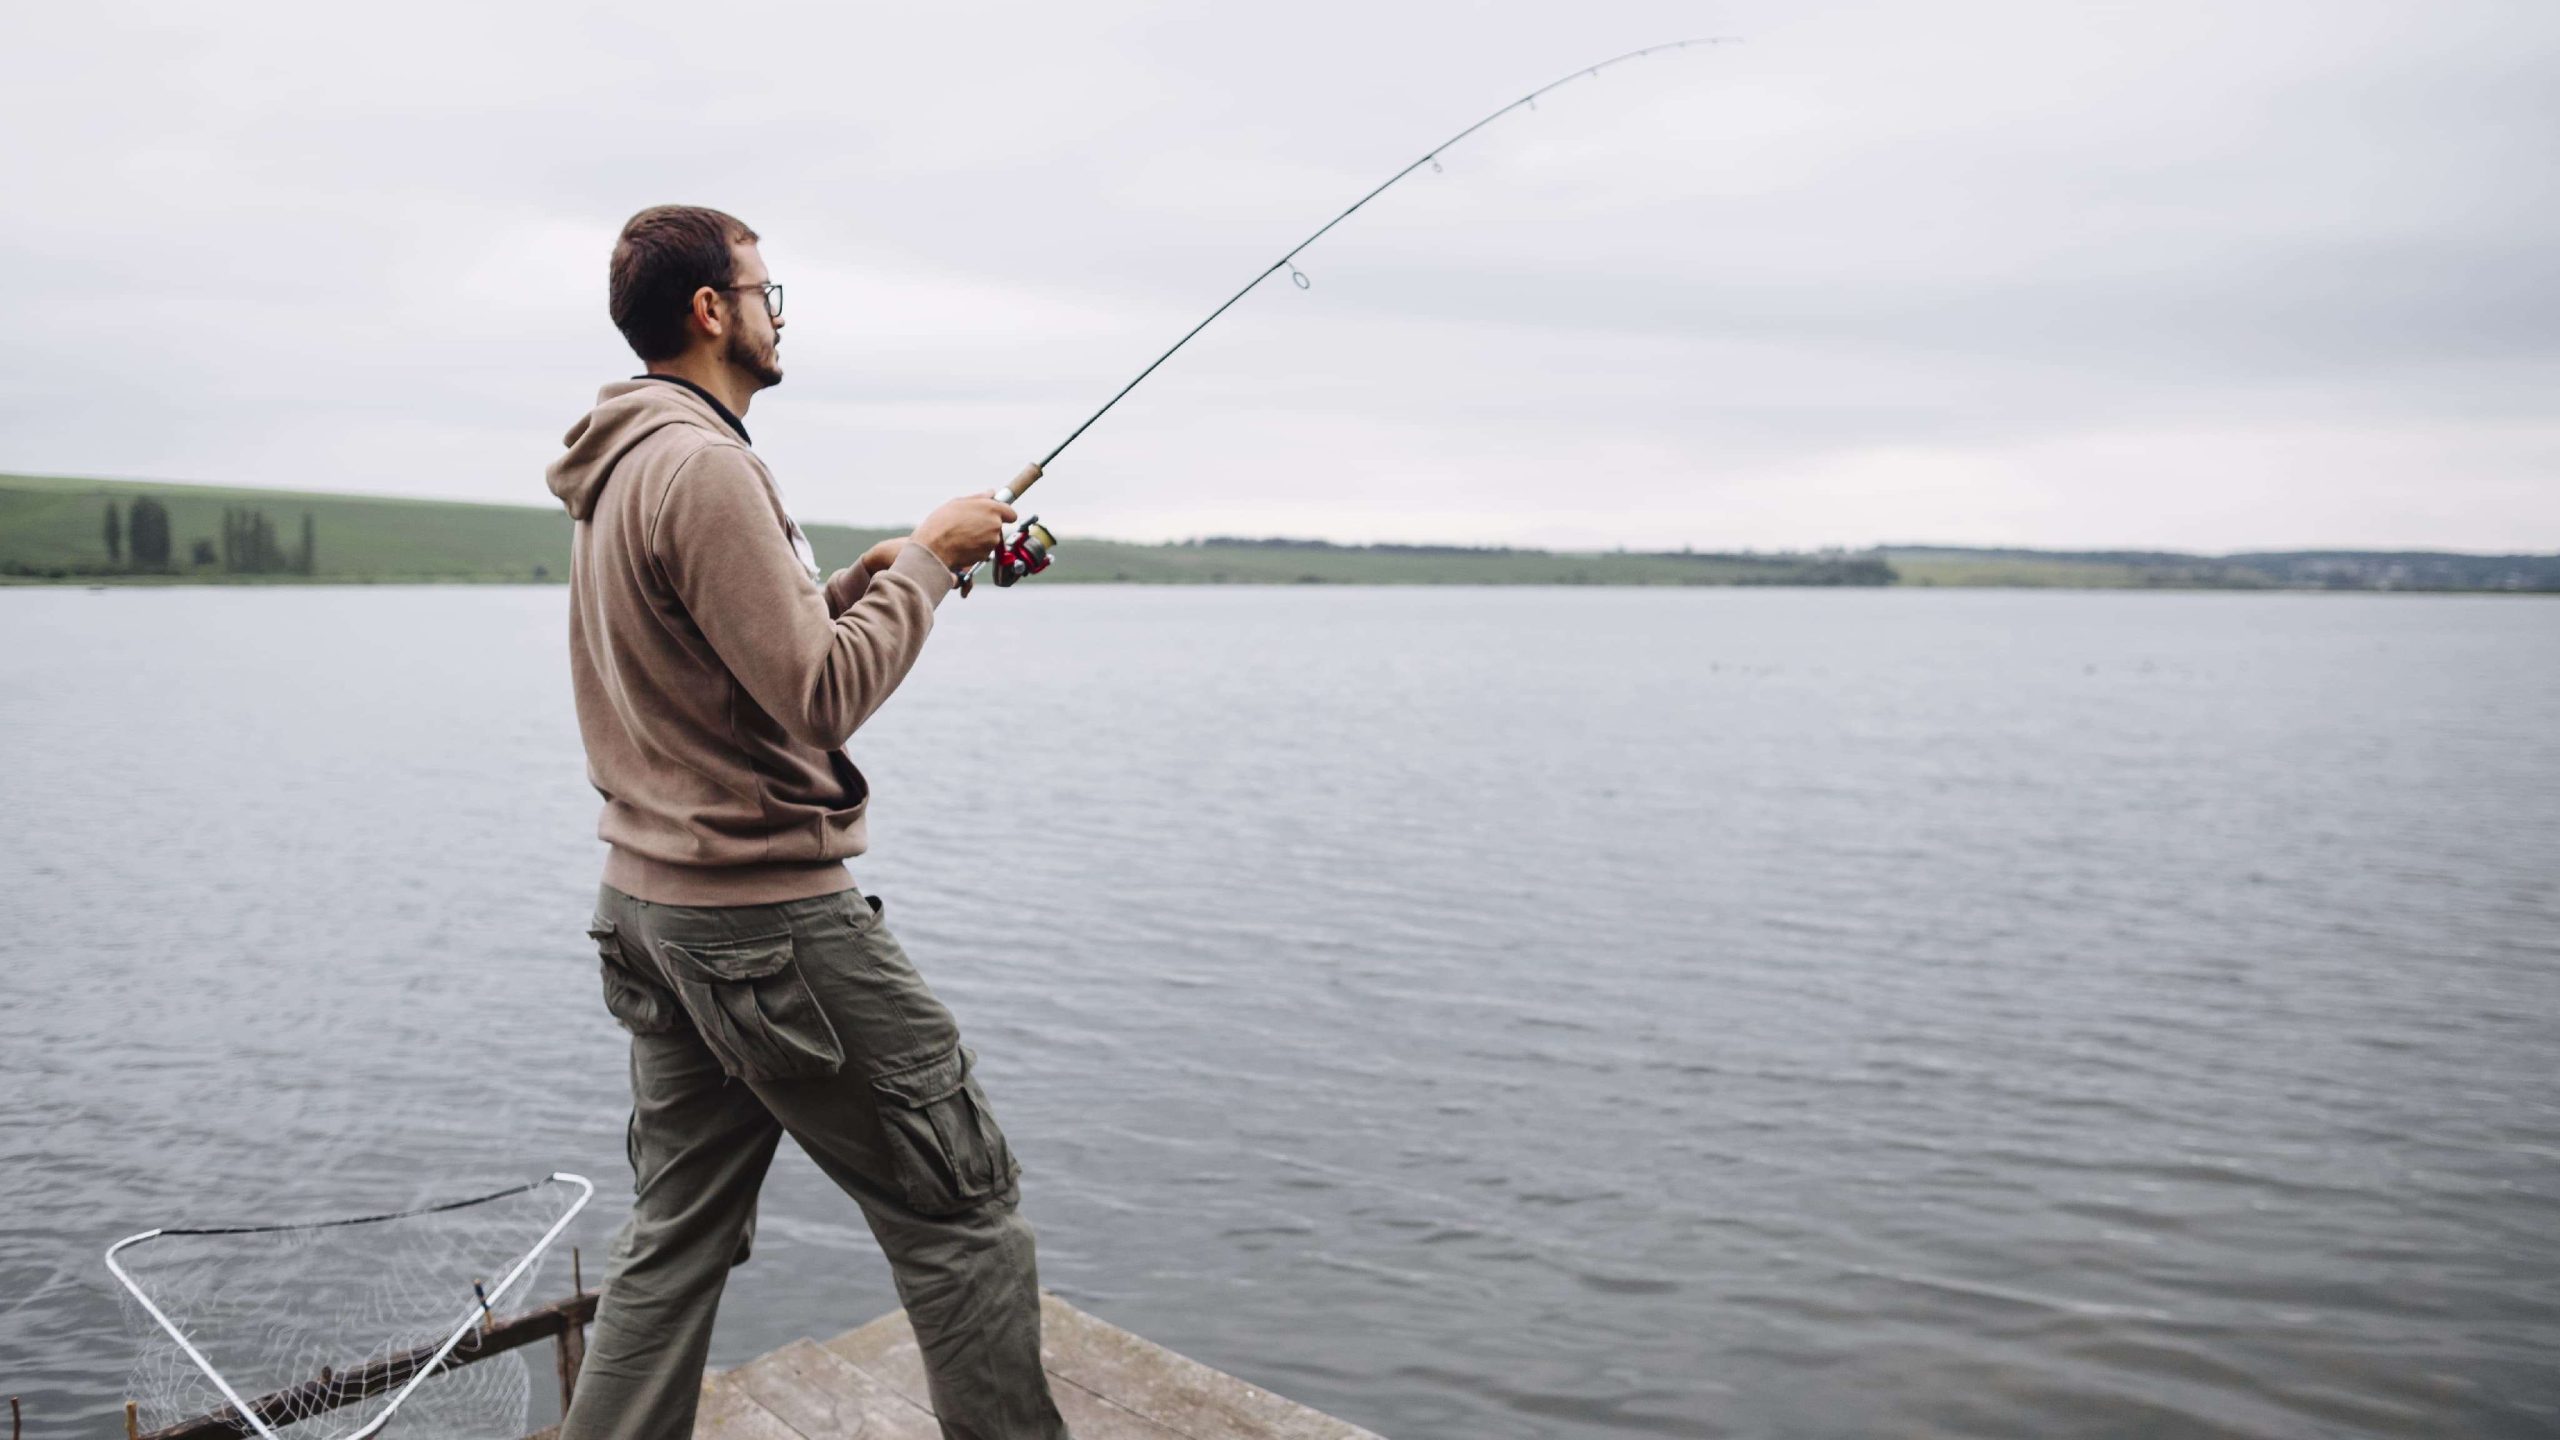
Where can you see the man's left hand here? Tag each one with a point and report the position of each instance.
(847, 584)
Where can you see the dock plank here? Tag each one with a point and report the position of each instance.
(886, 1350)
(1173, 1390)
(728, 1413)
(1097, 1417)
(828, 1398)
(1156, 1390)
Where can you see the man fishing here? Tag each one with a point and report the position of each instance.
(717, 680)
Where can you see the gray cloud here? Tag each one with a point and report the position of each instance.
(2174, 274)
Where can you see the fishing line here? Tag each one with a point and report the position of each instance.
(1298, 277)
(1028, 551)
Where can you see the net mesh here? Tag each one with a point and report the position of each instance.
(323, 1310)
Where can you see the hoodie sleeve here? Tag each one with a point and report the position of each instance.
(720, 541)
(844, 587)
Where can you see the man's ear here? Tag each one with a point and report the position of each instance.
(706, 312)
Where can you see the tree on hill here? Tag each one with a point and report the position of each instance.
(115, 535)
(310, 545)
(147, 527)
(250, 546)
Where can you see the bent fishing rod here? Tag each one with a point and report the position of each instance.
(1028, 552)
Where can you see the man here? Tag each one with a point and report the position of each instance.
(717, 681)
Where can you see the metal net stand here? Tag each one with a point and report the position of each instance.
(324, 1328)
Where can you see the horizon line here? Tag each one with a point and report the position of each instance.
(1877, 547)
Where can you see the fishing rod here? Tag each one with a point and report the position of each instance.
(1028, 553)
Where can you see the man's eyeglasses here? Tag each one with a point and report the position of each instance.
(772, 296)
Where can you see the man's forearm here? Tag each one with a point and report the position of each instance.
(872, 645)
(817, 669)
(845, 587)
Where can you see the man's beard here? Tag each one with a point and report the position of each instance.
(759, 361)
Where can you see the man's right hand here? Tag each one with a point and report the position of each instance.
(965, 531)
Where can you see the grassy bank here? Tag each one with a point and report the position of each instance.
(2253, 570)
(54, 530)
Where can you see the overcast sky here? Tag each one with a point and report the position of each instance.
(2197, 275)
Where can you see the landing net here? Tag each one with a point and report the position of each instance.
(321, 1329)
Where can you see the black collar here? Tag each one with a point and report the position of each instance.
(708, 398)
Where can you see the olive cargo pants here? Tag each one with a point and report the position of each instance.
(804, 1018)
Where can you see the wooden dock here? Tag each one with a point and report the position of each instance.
(869, 1382)
(1110, 1385)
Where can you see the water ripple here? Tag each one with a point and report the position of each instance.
(1483, 1014)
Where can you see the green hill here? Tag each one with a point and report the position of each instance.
(2250, 570)
(53, 530)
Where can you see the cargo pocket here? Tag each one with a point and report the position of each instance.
(943, 1139)
(643, 1008)
(753, 1008)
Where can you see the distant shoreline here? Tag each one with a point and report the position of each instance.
(57, 531)
(9, 582)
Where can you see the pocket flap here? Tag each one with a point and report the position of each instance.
(732, 959)
(601, 930)
(921, 1085)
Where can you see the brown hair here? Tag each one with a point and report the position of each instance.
(667, 252)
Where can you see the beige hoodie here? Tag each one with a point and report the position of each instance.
(716, 680)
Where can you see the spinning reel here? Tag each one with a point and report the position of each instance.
(1023, 556)
(1020, 558)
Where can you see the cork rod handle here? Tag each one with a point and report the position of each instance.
(1013, 489)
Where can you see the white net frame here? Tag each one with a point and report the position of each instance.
(435, 1274)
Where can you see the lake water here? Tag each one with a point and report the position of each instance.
(1477, 1013)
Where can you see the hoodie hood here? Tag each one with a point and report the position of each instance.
(626, 413)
